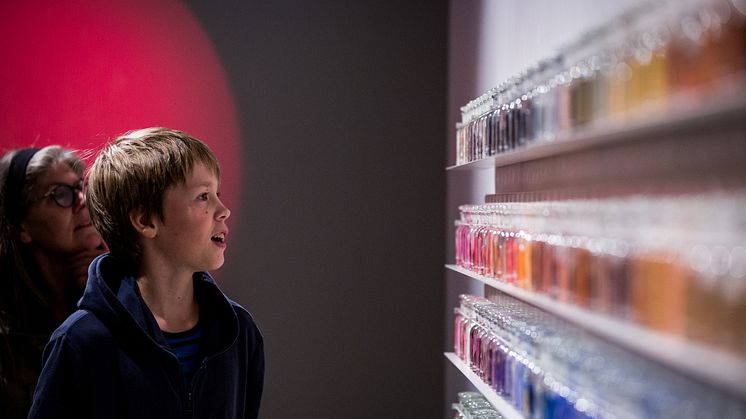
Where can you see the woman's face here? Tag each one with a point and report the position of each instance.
(49, 227)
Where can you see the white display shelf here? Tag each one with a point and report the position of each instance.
(681, 118)
(713, 366)
(506, 409)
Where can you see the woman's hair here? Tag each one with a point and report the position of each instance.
(134, 172)
(13, 269)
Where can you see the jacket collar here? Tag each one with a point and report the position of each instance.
(113, 296)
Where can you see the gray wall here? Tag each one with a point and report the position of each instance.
(338, 250)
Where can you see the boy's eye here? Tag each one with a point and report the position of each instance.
(203, 196)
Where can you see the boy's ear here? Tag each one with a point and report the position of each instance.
(143, 223)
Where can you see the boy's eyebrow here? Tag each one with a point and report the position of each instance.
(204, 183)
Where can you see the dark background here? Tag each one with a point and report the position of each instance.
(339, 250)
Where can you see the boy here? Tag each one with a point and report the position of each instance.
(154, 337)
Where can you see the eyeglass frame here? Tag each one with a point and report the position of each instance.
(74, 189)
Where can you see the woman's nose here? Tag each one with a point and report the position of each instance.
(80, 202)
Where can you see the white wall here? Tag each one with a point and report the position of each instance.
(490, 41)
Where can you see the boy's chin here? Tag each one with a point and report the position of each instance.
(217, 265)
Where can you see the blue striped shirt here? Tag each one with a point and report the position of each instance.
(185, 346)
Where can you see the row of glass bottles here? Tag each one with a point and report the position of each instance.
(665, 263)
(548, 369)
(472, 405)
(664, 56)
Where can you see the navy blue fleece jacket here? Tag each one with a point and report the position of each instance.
(110, 360)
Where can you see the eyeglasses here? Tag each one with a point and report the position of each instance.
(64, 195)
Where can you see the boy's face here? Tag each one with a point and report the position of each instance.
(191, 236)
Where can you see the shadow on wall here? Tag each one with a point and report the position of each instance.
(340, 259)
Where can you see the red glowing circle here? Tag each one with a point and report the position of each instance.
(78, 73)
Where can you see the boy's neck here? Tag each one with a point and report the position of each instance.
(170, 298)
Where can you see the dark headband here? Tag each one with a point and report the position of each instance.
(15, 181)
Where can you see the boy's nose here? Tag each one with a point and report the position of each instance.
(224, 213)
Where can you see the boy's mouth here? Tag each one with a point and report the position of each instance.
(219, 238)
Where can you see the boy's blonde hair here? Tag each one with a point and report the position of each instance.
(134, 172)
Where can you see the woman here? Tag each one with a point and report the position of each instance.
(46, 243)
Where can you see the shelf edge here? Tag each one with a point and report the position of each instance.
(688, 117)
(502, 406)
(725, 370)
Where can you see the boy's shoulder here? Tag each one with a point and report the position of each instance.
(241, 312)
(245, 318)
(211, 293)
(80, 327)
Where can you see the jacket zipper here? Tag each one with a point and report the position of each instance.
(189, 412)
(192, 386)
